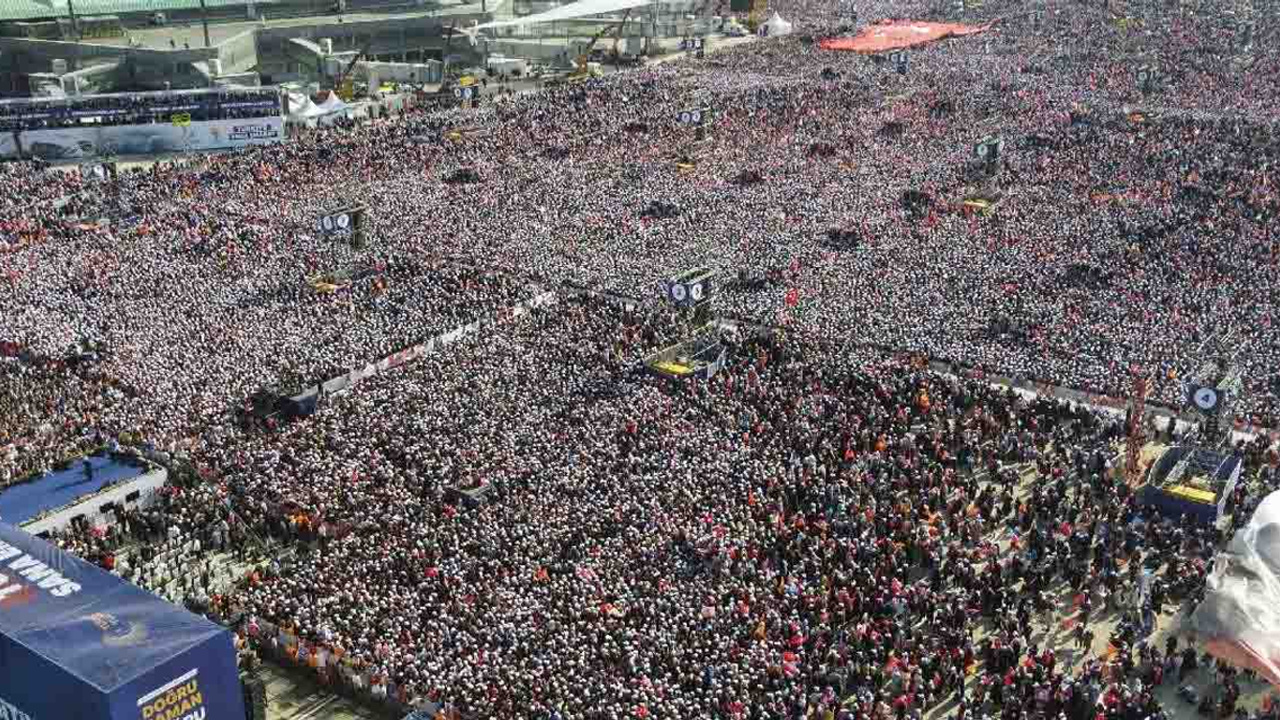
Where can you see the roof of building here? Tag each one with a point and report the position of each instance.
(49, 9)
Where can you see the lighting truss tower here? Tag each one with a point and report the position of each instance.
(1214, 386)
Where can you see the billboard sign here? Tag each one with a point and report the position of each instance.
(88, 142)
(250, 131)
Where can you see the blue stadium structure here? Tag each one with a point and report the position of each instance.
(78, 642)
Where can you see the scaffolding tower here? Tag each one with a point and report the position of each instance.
(1136, 435)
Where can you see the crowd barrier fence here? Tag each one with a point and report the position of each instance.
(342, 383)
(337, 672)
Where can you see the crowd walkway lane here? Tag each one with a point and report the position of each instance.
(1053, 630)
(291, 695)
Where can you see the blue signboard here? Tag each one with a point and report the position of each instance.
(79, 642)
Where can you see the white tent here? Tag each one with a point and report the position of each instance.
(301, 107)
(332, 104)
(775, 26)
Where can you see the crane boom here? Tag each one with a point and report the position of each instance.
(585, 56)
(757, 14)
(617, 35)
(343, 82)
(592, 43)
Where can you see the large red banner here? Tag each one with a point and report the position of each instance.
(896, 34)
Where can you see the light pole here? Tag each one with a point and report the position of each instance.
(75, 28)
(75, 25)
(204, 20)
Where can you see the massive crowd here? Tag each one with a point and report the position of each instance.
(566, 174)
(27, 187)
(761, 545)
(645, 550)
(765, 544)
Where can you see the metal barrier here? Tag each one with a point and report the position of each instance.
(339, 675)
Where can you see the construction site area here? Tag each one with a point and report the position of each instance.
(360, 48)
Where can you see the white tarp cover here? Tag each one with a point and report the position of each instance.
(332, 104)
(1239, 619)
(775, 26)
(578, 9)
(301, 107)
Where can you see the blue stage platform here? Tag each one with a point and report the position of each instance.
(78, 643)
(24, 501)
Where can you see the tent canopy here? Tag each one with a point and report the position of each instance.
(301, 107)
(775, 26)
(1238, 618)
(332, 104)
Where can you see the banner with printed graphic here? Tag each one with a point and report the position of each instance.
(95, 141)
(895, 34)
(79, 642)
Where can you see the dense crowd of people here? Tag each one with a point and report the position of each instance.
(1154, 181)
(745, 547)
(25, 187)
(530, 525)
(566, 175)
(47, 417)
(683, 554)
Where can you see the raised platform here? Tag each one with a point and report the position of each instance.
(700, 356)
(1193, 481)
(471, 498)
(53, 500)
(79, 642)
